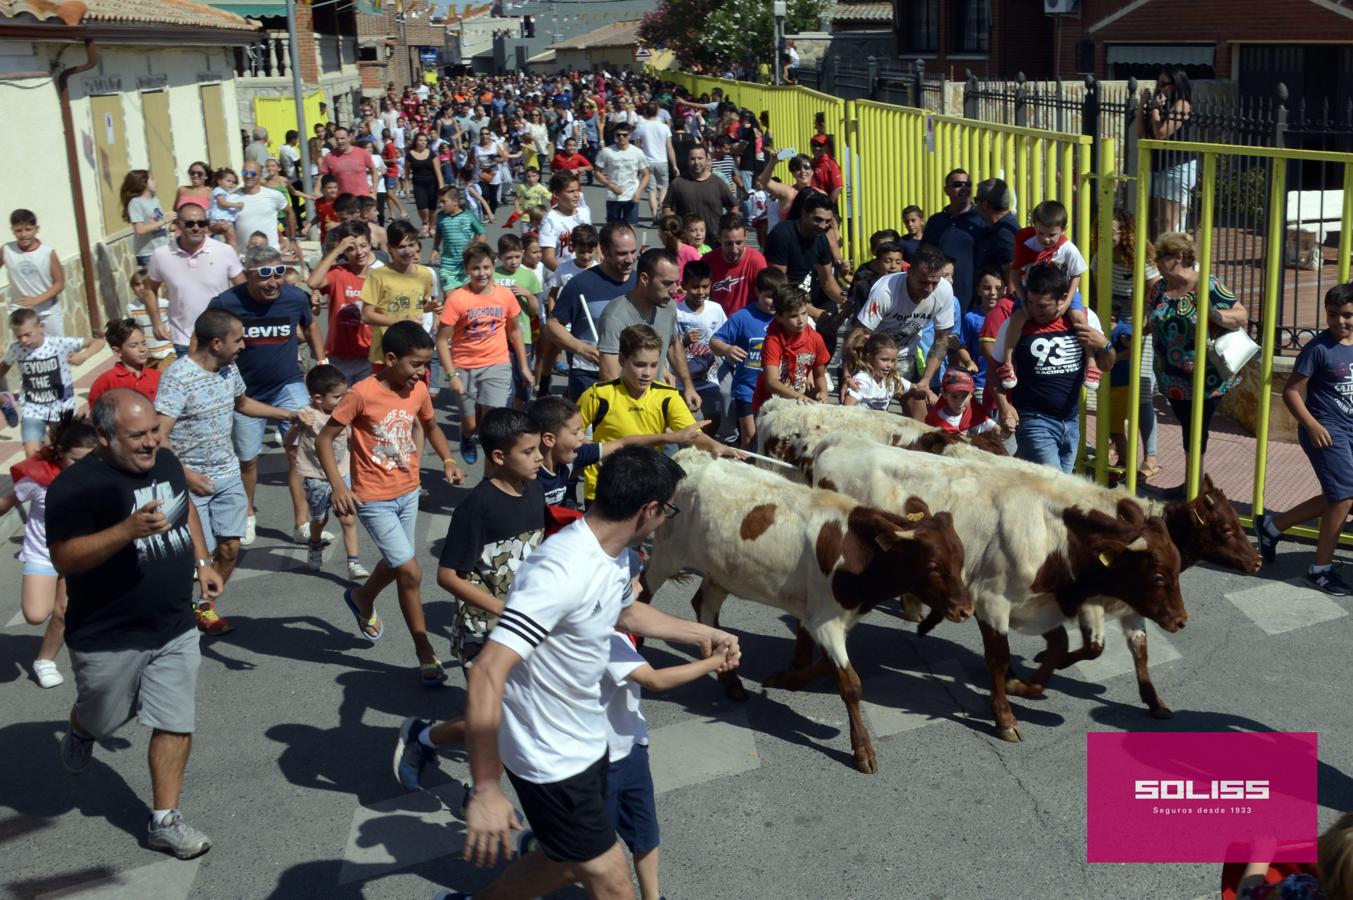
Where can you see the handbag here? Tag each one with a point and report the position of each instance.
(1230, 352)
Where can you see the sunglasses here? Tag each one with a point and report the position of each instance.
(192, 223)
(247, 172)
(271, 271)
(960, 184)
(197, 174)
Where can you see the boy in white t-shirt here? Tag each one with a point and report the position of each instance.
(629, 780)
(45, 366)
(584, 241)
(557, 230)
(698, 320)
(36, 277)
(1045, 242)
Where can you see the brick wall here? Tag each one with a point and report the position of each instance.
(305, 28)
(1223, 22)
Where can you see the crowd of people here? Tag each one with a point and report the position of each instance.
(964, 319)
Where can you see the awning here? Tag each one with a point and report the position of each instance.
(253, 8)
(1162, 54)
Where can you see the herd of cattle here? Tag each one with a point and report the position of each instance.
(891, 507)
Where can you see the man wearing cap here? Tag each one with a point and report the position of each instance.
(955, 412)
(826, 173)
(996, 245)
(955, 230)
(622, 169)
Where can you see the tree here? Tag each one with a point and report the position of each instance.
(714, 33)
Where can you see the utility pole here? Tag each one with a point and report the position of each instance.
(294, 52)
(779, 9)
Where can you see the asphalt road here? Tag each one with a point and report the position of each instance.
(291, 766)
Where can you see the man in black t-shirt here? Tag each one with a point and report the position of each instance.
(124, 532)
(700, 192)
(799, 248)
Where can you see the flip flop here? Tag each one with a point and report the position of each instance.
(433, 674)
(369, 623)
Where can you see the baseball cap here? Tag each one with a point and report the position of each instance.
(958, 380)
(819, 139)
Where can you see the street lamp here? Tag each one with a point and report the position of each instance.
(779, 9)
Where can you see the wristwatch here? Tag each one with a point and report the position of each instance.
(203, 562)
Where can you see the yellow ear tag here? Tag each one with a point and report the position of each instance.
(1106, 558)
(914, 517)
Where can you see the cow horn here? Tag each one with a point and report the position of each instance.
(1198, 516)
(884, 541)
(1209, 499)
(1139, 545)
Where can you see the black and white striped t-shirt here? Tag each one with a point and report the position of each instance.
(559, 617)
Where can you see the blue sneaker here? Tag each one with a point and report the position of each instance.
(411, 757)
(469, 449)
(526, 842)
(1268, 545)
(9, 409)
(1329, 582)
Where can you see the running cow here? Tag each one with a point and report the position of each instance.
(816, 554)
(1035, 553)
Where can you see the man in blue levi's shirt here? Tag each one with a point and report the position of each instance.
(273, 314)
(1049, 358)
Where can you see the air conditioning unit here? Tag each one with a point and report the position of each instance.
(1061, 7)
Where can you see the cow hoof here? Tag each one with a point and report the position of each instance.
(1162, 712)
(735, 691)
(865, 762)
(911, 615)
(1011, 734)
(1023, 689)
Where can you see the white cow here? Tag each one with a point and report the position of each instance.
(1036, 549)
(819, 555)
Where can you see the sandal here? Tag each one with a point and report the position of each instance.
(433, 674)
(1149, 472)
(362, 626)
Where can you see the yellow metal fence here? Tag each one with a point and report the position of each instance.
(894, 156)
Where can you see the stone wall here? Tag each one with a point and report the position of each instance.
(1241, 405)
(113, 268)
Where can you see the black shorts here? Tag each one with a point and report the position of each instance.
(569, 817)
(425, 192)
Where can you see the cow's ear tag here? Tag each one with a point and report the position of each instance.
(884, 541)
(1106, 558)
(914, 517)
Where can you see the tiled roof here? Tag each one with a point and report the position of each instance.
(859, 12)
(616, 34)
(174, 13)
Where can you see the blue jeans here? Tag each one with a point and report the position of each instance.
(391, 526)
(622, 211)
(248, 431)
(1052, 442)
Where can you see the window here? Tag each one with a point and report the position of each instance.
(923, 23)
(969, 26)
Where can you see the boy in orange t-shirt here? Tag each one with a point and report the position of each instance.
(384, 470)
(479, 322)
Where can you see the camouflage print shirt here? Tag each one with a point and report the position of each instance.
(490, 536)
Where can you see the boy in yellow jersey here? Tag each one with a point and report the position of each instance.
(398, 292)
(635, 403)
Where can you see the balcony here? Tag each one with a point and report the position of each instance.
(269, 57)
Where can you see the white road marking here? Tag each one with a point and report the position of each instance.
(171, 879)
(1280, 606)
(701, 750)
(1116, 658)
(16, 619)
(401, 832)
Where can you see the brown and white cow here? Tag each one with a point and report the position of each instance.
(1035, 553)
(816, 554)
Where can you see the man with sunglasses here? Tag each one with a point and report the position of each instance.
(956, 229)
(274, 315)
(534, 694)
(192, 270)
(261, 206)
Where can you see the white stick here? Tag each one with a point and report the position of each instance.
(590, 324)
(771, 459)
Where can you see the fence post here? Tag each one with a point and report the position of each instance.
(970, 100)
(1280, 116)
(872, 77)
(1090, 126)
(1130, 137)
(916, 90)
(836, 72)
(1021, 101)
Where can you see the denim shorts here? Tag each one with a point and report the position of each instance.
(391, 526)
(39, 567)
(248, 431)
(319, 495)
(33, 431)
(224, 512)
(629, 800)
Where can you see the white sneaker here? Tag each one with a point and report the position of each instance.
(250, 531)
(357, 572)
(302, 535)
(47, 675)
(314, 560)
